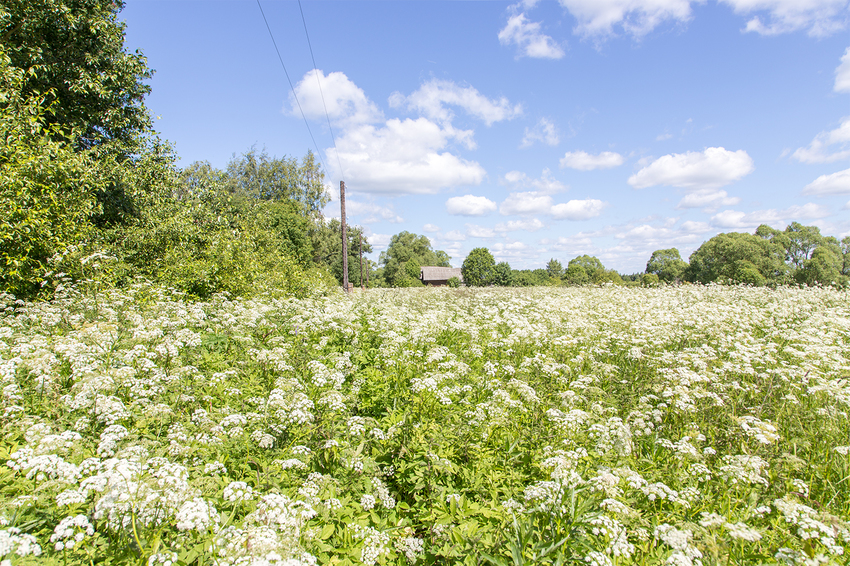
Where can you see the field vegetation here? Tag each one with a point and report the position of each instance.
(608, 425)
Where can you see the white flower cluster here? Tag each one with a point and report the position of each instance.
(744, 469)
(761, 431)
(71, 531)
(238, 491)
(411, 547)
(374, 543)
(684, 554)
(13, 542)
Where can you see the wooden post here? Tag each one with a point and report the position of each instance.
(362, 284)
(344, 238)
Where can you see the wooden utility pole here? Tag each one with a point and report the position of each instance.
(344, 238)
(362, 285)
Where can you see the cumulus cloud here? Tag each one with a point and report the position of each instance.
(454, 236)
(476, 231)
(532, 202)
(529, 39)
(402, 157)
(746, 220)
(708, 199)
(470, 205)
(347, 104)
(709, 169)
(818, 17)
(431, 228)
(578, 209)
(503, 251)
(526, 203)
(636, 17)
(544, 132)
(842, 74)
(546, 184)
(827, 146)
(368, 212)
(435, 96)
(832, 184)
(584, 161)
(526, 225)
(379, 241)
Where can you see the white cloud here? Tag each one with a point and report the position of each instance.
(546, 184)
(818, 17)
(578, 209)
(526, 225)
(533, 202)
(476, 231)
(746, 220)
(832, 184)
(347, 104)
(709, 169)
(819, 150)
(708, 199)
(367, 212)
(637, 17)
(379, 241)
(454, 236)
(842, 74)
(402, 157)
(433, 97)
(545, 132)
(584, 161)
(694, 227)
(511, 250)
(528, 38)
(470, 205)
(526, 203)
(431, 228)
(664, 136)
(393, 156)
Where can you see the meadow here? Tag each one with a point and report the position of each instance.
(690, 425)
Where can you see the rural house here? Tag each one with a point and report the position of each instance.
(438, 276)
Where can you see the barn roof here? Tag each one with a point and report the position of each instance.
(439, 273)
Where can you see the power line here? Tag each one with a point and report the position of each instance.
(316, 68)
(318, 152)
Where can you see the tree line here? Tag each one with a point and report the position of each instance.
(797, 255)
(89, 191)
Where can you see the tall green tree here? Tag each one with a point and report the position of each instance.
(667, 265)
(256, 175)
(738, 257)
(479, 268)
(502, 274)
(405, 254)
(73, 56)
(47, 191)
(554, 268)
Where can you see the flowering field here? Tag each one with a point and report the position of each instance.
(690, 425)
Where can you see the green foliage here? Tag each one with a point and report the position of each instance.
(649, 280)
(326, 238)
(824, 266)
(73, 52)
(453, 282)
(47, 191)
(406, 253)
(502, 274)
(667, 265)
(737, 257)
(554, 268)
(258, 176)
(479, 268)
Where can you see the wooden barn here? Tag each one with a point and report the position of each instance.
(439, 276)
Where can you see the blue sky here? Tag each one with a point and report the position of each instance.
(537, 129)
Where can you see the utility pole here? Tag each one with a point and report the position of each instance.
(344, 238)
(362, 285)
